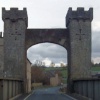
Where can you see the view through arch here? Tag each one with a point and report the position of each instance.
(52, 60)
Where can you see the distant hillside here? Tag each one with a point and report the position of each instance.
(63, 71)
(95, 68)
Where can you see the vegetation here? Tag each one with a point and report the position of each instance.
(37, 74)
(40, 72)
(62, 70)
(95, 67)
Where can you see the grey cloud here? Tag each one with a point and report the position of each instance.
(51, 14)
(54, 52)
(96, 42)
(57, 53)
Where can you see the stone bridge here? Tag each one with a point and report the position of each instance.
(14, 67)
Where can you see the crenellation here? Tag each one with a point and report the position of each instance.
(0, 34)
(13, 9)
(14, 14)
(80, 13)
(79, 55)
(14, 41)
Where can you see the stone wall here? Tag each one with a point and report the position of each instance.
(15, 24)
(1, 57)
(54, 81)
(79, 51)
(28, 77)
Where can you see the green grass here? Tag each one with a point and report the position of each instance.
(63, 71)
(53, 68)
(64, 75)
(95, 68)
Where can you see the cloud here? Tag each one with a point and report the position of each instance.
(54, 52)
(51, 14)
(58, 53)
(96, 44)
(96, 26)
(47, 61)
(96, 60)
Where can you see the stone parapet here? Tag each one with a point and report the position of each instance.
(79, 14)
(14, 14)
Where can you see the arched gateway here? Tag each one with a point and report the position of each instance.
(76, 38)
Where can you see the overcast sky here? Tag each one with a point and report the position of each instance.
(51, 14)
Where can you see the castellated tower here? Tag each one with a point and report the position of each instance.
(15, 25)
(79, 53)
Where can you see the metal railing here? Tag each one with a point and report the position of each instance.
(88, 87)
(10, 88)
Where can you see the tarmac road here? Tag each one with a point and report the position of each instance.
(48, 94)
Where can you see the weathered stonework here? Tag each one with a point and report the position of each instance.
(1, 57)
(79, 52)
(79, 26)
(57, 36)
(28, 77)
(15, 24)
(76, 38)
(14, 15)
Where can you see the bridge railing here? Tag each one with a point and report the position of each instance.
(10, 88)
(88, 87)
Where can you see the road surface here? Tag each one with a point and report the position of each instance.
(48, 94)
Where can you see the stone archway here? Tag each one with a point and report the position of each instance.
(76, 38)
(45, 53)
(57, 36)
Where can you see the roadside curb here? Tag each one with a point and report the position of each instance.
(68, 96)
(29, 95)
(80, 97)
(13, 98)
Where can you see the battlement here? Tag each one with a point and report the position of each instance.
(1, 41)
(79, 14)
(14, 14)
(0, 34)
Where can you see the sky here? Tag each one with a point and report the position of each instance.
(51, 14)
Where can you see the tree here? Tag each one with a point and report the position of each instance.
(37, 74)
(52, 64)
(43, 64)
(62, 64)
(38, 63)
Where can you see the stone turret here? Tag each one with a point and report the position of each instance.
(15, 25)
(79, 14)
(78, 24)
(14, 14)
